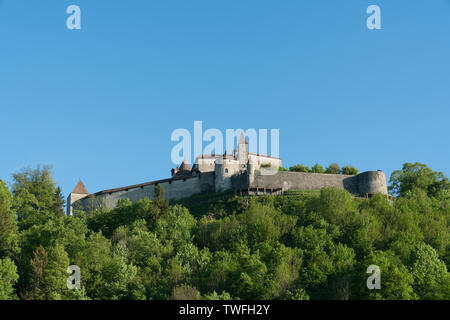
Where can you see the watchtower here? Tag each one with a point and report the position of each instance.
(78, 193)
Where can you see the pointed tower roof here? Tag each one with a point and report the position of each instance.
(80, 188)
(242, 139)
(185, 166)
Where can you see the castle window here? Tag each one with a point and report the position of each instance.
(226, 170)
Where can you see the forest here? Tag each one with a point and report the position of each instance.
(297, 246)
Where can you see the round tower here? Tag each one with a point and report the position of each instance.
(225, 168)
(372, 182)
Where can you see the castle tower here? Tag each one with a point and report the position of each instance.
(242, 150)
(185, 166)
(78, 193)
(225, 168)
(183, 170)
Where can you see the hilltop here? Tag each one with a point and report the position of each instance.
(298, 245)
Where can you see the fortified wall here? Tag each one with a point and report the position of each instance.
(241, 171)
(364, 184)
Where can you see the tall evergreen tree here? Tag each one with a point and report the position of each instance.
(8, 227)
(59, 202)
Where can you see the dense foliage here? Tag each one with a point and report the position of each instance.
(317, 168)
(301, 245)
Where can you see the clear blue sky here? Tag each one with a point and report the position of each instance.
(101, 103)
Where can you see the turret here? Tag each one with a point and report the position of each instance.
(225, 169)
(372, 182)
(78, 193)
(242, 150)
(184, 170)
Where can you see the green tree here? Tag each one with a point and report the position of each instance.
(8, 278)
(160, 200)
(396, 280)
(299, 168)
(38, 266)
(92, 259)
(9, 235)
(333, 169)
(349, 170)
(317, 168)
(177, 226)
(185, 292)
(215, 296)
(35, 196)
(296, 294)
(431, 279)
(58, 202)
(49, 273)
(418, 176)
(120, 279)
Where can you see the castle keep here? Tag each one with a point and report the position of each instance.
(241, 171)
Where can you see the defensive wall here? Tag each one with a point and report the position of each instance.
(241, 171)
(364, 184)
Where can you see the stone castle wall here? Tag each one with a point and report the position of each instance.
(304, 181)
(231, 176)
(240, 171)
(369, 182)
(174, 189)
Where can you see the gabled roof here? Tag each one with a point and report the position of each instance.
(80, 188)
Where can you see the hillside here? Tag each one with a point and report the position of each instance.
(300, 245)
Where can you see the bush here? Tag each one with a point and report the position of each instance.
(299, 168)
(185, 293)
(333, 169)
(317, 168)
(349, 170)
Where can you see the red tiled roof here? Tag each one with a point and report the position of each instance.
(80, 188)
(185, 166)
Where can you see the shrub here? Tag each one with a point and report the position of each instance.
(185, 293)
(317, 168)
(333, 169)
(349, 170)
(299, 168)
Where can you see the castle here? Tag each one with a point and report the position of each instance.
(242, 171)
